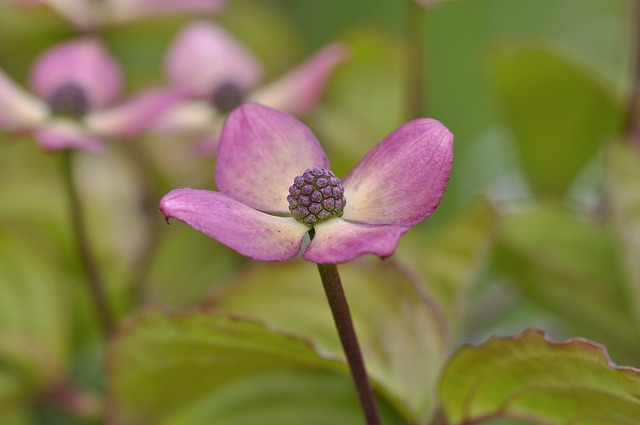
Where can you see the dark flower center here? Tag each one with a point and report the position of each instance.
(69, 100)
(228, 96)
(316, 196)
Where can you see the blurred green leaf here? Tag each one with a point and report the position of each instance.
(400, 334)
(186, 265)
(16, 417)
(21, 43)
(284, 397)
(268, 32)
(571, 267)
(451, 262)
(34, 318)
(364, 102)
(623, 184)
(530, 377)
(206, 368)
(559, 113)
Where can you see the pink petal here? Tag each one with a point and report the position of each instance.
(190, 118)
(300, 89)
(133, 9)
(338, 241)
(204, 56)
(251, 233)
(134, 116)
(260, 152)
(59, 135)
(81, 13)
(87, 14)
(402, 180)
(84, 62)
(18, 109)
(207, 146)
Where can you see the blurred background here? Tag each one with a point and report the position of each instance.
(538, 226)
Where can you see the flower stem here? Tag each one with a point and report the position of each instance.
(85, 253)
(632, 127)
(415, 51)
(342, 317)
(145, 175)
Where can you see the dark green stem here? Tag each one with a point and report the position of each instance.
(415, 51)
(342, 317)
(85, 253)
(145, 176)
(632, 127)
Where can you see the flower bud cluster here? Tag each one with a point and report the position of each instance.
(69, 100)
(316, 196)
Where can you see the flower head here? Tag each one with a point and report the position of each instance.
(219, 73)
(87, 14)
(266, 155)
(75, 83)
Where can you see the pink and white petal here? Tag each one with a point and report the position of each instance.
(191, 118)
(125, 10)
(84, 62)
(300, 89)
(19, 109)
(81, 13)
(134, 116)
(401, 181)
(339, 241)
(260, 152)
(63, 134)
(204, 56)
(251, 233)
(207, 146)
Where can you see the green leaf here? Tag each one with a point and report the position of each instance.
(400, 334)
(570, 266)
(450, 263)
(205, 368)
(364, 102)
(34, 317)
(559, 113)
(623, 182)
(294, 396)
(183, 252)
(529, 376)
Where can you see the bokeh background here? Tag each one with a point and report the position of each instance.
(538, 226)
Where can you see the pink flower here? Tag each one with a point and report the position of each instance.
(269, 168)
(75, 82)
(87, 14)
(219, 73)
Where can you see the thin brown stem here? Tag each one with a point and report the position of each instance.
(415, 51)
(85, 253)
(145, 176)
(632, 127)
(342, 317)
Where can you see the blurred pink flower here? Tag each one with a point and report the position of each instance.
(275, 186)
(88, 14)
(75, 82)
(219, 73)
